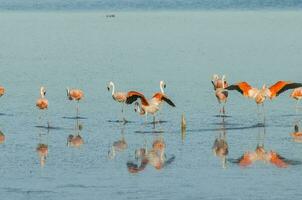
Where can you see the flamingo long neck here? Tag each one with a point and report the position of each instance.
(161, 87)
(113, 88)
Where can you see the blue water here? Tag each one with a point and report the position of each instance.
(136, 50)
(148, 4)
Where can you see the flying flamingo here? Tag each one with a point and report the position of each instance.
(220, 92)
(150, 106)
(297, 95)
(75, 95)
(259, 95)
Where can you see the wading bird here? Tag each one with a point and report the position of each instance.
(75, 95)
(119, 97)
(220, 92)
(2, 137)
(259, 95)
(42, 102)
(2, 91)
(148, 106)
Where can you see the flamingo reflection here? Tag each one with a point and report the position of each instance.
(118, 146)
(156, 157)
(2, 137)
(262, 155)
(76, 140)
(42, 148)
(220, 147)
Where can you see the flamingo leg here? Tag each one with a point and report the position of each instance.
(153, 121)
(223, 110)
(77, 109)
(263, 111)
(123, 113)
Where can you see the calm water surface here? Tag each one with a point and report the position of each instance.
(136, 50)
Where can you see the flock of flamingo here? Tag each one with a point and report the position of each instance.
(144, 107)
(220, 147)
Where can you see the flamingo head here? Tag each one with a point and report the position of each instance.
(68, 94)
(162, 84)
(110, 85)
(215, 77)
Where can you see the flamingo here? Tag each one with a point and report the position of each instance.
(119, 97)
(220, 92)
(42, 102)
(2, 91)
(260, 95)
(297, 95)
(2, 137)
(150, 106)
(75, 95)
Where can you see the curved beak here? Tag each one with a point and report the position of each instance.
(108, 88)
(165, 85)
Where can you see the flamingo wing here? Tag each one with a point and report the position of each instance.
(132, 96)
(162, 97)
(282, 86)
(242, 87)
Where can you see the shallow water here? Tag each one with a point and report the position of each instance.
(136, 50)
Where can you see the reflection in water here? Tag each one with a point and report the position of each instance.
(42, 150)
(183, 127)
(156, 157)
(118, 146)
(42, 147)
(76, 140)
(2, 137)
(220, 147)
(260, 154)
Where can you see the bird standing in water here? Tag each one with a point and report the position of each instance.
(42, 102)
(75, 95)
(220, 92)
